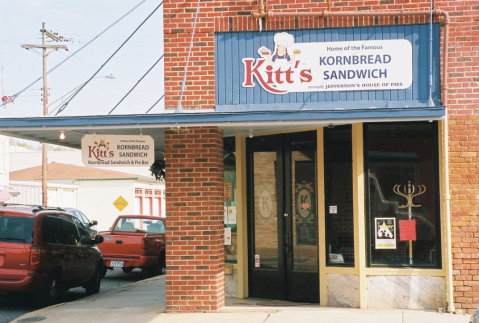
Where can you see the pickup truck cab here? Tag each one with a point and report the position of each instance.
(135, 241)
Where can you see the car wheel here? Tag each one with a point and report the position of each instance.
(49, 295)
(127, 269)
(103, 271)
(93, 286)
(158, 269)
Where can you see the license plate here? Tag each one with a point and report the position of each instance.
(116, 263)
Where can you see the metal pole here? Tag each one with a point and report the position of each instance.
(45, 113)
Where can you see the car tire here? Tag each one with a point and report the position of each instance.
(158, 269)
(49, 295)
(93, 286)
(127, 269)
(103, 271)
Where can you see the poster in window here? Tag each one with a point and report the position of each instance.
(385, 233)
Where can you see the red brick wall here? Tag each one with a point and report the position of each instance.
(464, 184)
(463, 111)
(463, 87)
(194, 213)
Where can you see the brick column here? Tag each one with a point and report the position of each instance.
(194, 218)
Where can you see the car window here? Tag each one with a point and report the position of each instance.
(141, 225)
(156, 227)
(52, 229)
(16, 229)
(70, 232)
(84, 218)
(85, 238)
(77, 215)
(59, 230)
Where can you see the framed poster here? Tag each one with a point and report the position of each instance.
(385, 229)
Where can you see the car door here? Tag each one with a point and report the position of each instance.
(57, 250)
(74, 257)
(90, 254)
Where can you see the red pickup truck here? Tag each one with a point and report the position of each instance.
(135, 241)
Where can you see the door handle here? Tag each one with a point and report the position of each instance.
(286, 215)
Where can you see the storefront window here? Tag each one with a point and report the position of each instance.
(402, 194)
(338, 174)
(231, 246)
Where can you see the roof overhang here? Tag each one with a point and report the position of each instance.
(47, 129)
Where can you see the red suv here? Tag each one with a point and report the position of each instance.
(44, 251)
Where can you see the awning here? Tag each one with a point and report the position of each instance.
(47, 129)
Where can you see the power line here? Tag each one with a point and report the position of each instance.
(137, 83)
(155, 104)
(63, 107)
(73, 54)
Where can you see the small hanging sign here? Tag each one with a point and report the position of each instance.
(407, 230)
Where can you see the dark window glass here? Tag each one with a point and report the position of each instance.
(402, 194)
(16, 229)
(59, 230)
(338, 169)
(85, 237)
(70, 232)
(52, 229)
(83, 218)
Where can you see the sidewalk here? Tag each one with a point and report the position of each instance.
(144, 301)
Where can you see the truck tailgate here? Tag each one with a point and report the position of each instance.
(121, 245)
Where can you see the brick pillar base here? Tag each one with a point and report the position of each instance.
(194, 218)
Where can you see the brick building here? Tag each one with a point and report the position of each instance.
(332, 145)
(389, 137)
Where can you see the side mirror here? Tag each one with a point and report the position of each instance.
(98, 239)
(93, 222)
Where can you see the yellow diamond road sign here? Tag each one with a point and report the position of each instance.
(120, 203)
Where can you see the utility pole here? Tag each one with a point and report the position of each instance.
(45, 49)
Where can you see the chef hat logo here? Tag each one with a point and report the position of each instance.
(283, 39)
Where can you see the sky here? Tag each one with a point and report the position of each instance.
(81, 21)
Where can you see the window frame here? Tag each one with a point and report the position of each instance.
(435, 193)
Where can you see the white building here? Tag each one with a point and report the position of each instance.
(102, 194)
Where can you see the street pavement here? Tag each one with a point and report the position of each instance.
(144, 301)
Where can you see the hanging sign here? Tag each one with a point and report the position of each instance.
(117, 151)
(330, 66)
(407, 230)
(385, 233)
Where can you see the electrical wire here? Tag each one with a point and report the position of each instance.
(155, 104)
(63, 107)
(136, 84)
(179, 108)
(73, 54)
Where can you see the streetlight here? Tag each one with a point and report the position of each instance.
(73, 92)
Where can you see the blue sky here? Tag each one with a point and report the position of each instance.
(81, 21)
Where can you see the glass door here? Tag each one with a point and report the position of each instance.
(282, 217)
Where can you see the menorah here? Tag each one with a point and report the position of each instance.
(409, 193)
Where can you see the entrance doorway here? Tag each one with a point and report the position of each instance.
(282, 217)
